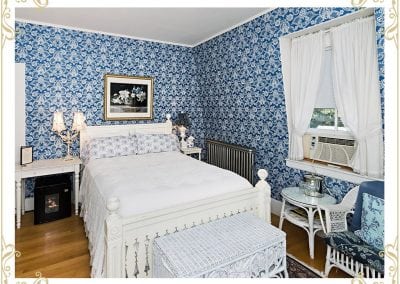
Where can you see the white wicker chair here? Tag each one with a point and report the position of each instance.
(335, 220)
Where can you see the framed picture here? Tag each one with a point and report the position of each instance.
(128, 97)
(26, 155)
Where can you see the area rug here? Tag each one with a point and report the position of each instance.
(297, 270)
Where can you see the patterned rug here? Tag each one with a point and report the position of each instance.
(297, 270)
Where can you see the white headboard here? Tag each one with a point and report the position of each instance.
(91, 132)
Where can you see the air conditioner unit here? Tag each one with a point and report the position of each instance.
(332, 150)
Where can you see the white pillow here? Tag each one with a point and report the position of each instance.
(107, 147)
(155, 143)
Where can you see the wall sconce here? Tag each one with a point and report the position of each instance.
(59, 126)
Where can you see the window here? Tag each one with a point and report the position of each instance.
(325, 115)
(326, 118)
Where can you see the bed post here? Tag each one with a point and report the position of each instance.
(264, 198)
(114, 241)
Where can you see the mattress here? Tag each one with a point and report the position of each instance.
(145, 183)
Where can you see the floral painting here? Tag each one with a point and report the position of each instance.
(128, 97)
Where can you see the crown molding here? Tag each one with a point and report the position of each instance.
(235, 26)
(69, 27)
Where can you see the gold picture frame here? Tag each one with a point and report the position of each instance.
(128, 97)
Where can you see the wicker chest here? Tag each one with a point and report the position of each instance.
(238, 246)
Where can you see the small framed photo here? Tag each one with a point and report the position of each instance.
(128, 97)
(26, 155)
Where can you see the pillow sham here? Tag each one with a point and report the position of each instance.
(155, 143)
(108, 147)
(372, 221)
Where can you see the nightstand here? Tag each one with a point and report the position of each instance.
(192, 150)
(44, 168)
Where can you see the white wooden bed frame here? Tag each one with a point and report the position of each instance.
(128, 241)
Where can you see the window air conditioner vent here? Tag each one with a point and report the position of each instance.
(332, 150)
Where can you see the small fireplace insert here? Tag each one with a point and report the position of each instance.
(52, 198)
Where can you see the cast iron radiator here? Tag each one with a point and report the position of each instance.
(235, 158)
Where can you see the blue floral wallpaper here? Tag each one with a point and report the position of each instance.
(242, 88)
(231, 86)
(65, 69)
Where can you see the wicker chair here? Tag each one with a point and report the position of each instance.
(345, 250)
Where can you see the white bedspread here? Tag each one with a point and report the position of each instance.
(145, 183)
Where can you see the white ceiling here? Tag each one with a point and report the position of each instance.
(182, 26)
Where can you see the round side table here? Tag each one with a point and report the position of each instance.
(299, 209)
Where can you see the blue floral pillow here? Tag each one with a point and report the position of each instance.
(155, 143)
(372, 221)
(108, 147)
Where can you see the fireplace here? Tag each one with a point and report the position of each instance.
(52, 198)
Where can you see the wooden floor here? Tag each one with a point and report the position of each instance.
(56, 249)
(59, 248)
(297, 246)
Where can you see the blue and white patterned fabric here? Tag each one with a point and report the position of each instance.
(372, 221)
(353, 246)
(155, 143)
(231, 86)
(108, 147)
(375, 188)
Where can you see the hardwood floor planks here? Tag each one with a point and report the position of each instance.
(297, 245)
(56, 249)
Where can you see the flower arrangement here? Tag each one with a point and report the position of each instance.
(126, 97)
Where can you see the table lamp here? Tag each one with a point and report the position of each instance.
(70, 135)
(183, 123)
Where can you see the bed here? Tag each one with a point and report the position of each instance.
(127, 201)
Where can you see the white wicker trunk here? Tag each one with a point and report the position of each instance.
(238, 246)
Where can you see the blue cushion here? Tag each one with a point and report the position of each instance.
(351, 245)
(372, 221)
(375, 188)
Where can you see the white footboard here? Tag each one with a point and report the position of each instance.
(129, 240)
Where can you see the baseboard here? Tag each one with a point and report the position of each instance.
(276, 206)
(29, 204)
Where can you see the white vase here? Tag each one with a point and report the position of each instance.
(190, 141)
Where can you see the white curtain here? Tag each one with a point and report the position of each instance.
(301, 68)
(356, 90)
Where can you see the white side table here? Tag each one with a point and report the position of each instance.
(192, 150)
(44, 168)
(293, 196)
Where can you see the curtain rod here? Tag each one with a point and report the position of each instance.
(364, 13)
(354, 20)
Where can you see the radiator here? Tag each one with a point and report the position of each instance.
(232, 157)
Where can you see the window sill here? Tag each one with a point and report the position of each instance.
(329, 171)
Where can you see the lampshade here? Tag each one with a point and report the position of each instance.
(183, 120)
(79, 121)
(58, 122)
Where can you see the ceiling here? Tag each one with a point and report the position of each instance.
(182, 26)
